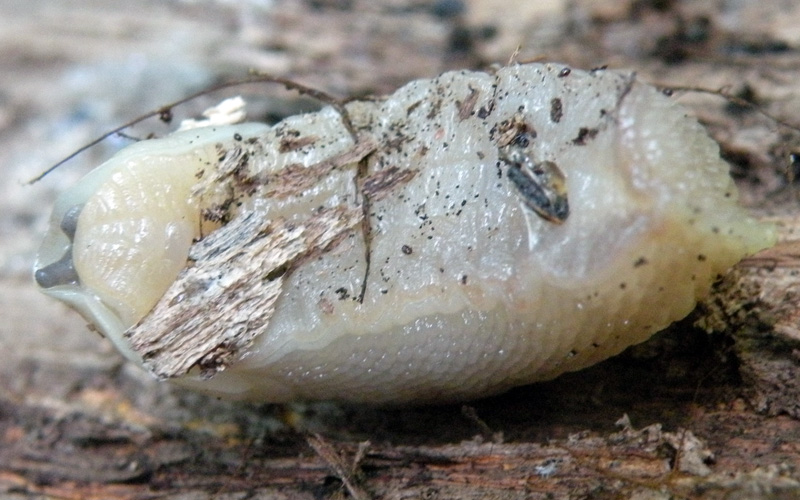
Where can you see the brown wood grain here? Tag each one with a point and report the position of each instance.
(713, 415)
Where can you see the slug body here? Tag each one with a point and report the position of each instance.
(477, 232)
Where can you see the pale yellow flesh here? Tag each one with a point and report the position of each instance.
(131, 260)
(492, 295)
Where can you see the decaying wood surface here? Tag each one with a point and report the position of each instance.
(711, 403)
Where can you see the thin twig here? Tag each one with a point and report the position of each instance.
(166, 111)
(345, 472)
(734, 99)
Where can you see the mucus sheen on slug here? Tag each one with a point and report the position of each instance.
(545, 239)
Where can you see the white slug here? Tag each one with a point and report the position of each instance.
(520, 225)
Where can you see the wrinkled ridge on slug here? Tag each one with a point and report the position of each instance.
(482, 231)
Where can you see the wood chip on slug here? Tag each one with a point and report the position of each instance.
(478, 232)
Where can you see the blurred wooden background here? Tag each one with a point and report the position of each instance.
(711, 415)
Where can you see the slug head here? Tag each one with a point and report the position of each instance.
(120, 237)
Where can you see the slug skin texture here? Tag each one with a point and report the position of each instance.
(519, 225)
